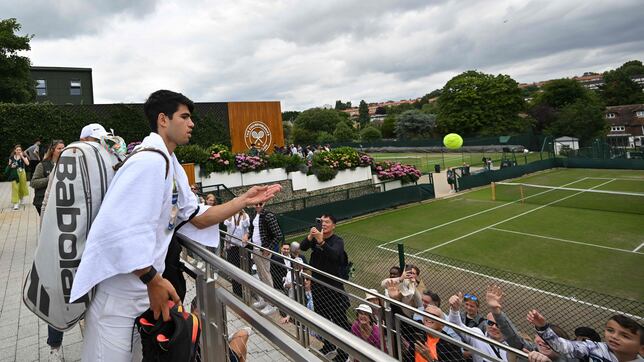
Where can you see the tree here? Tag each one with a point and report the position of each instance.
(381, 110)
(370, 133)
(583, 119)
(311, 122)
(414, 124)
(16, 85)
(388, 128)
(619, 88)
(566, 108)
(325, 137)
(561, 92)
(474, 103)
(343, 132)
(363, 114)
(290, 116)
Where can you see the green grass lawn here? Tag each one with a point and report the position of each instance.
(426, 161)
(587, 244)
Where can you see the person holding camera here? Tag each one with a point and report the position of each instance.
(328, 255)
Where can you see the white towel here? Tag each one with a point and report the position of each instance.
(207, 236)
(130, 231)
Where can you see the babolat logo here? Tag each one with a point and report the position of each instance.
(67, 221)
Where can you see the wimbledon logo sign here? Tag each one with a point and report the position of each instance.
(258, 133)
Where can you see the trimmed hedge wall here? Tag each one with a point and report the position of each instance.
(23, 123)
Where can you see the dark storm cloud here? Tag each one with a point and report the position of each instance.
(48, 19)
(310, 53)
(515, 34)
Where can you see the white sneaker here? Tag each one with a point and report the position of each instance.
(55, 355)
(259, 304)
(16, 206)
(268, 310)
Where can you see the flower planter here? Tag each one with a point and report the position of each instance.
(232, 179)
(264, 176)
(309, 183)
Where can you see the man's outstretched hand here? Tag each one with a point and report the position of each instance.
(160, 290)
(260, 194)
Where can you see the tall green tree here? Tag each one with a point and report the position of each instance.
(311, 122)
(363, 114)
(16, 85)
(474, 103)
(414, 124)
(619, 88)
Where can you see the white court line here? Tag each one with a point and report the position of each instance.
(568, 241)
(508, 219)
(638, 248)
(472, 215)
(572, 299)
(616, 178)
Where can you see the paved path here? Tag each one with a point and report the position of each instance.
(23, 337)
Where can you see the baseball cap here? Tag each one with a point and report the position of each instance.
(94, 130)
(364, 308)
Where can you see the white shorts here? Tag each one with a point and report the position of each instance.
(109, 329)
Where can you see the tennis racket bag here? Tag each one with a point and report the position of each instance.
(75, 193)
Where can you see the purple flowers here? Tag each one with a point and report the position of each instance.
(246, 163)
(396, 171)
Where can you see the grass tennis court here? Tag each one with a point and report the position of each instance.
(425, 161)
(596, 244)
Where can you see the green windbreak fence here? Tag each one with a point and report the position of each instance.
(617, 163)
(487, 177)
(529, 141)
(300, 220)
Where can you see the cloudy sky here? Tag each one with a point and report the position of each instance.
(311, 53)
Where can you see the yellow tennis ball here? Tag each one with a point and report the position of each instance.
(453, 141)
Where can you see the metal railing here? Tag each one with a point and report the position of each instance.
(397, 332)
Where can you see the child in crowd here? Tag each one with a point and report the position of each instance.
(624, 341)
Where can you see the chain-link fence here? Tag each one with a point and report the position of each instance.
(567, 306)
(392, 327)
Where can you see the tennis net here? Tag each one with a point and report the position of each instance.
(592, 198)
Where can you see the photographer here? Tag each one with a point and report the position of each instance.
(327, 254)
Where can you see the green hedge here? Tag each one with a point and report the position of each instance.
(23, 123)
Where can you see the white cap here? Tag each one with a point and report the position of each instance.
(93, 130)
(364, 308)
(371, 296)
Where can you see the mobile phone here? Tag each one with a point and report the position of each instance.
(318, 224)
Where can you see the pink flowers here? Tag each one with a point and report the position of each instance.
(396, 171)
(246, 163)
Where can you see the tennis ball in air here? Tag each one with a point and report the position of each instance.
(453, 141)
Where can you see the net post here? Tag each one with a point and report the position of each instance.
(401, 256)
(493, 184)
